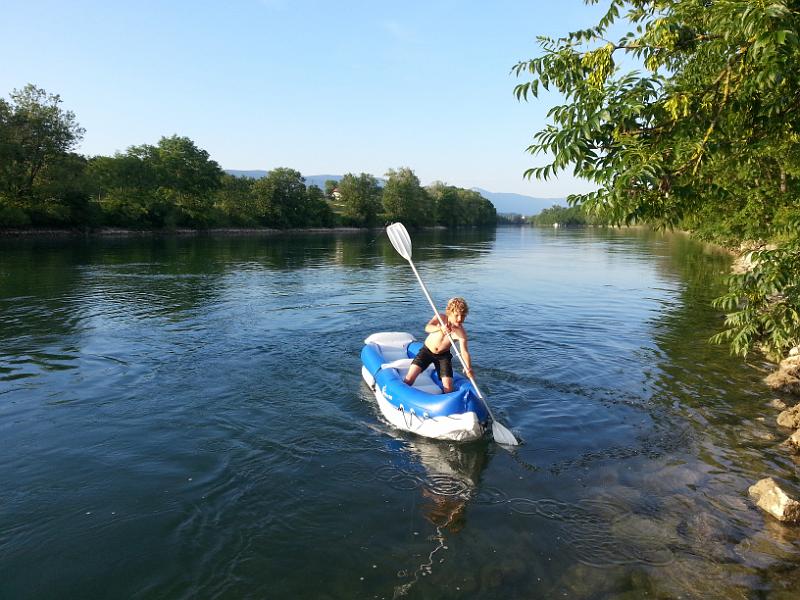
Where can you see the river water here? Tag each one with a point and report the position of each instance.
(185, 418)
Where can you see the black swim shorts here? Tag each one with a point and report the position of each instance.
(443, 361)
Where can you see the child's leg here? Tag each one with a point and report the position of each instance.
(413, 373)
(420, 363)
(445, 366)
(447, 384)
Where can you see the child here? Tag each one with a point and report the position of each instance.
(436, 348)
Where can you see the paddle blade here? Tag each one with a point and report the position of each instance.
(502, 435)
(400, 239)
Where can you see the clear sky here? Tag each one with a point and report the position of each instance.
(324, 87)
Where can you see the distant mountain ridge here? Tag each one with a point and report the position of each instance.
(504, 202)
(519, 204)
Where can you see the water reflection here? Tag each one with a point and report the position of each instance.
(442, 245)
(78, 285)
(451, 477)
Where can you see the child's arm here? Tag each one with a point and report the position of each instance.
(433, 325)
(465, 355)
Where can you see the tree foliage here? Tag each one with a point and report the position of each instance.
(235, 203)
(175, 183)
(565, 216)
(404, 199)
(704, 134)
(36, 140)
(284, 201)
(360, 199)
(454, 206)
(172, 183)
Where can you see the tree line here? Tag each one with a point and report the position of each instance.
(45, 183)
(701, 131)
(568, 216)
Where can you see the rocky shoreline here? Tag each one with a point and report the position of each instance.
(768, 494)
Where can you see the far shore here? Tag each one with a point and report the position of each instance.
(181, 231)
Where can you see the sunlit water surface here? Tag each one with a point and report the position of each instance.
(185, 418)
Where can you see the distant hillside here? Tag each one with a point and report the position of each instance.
(504, 202)
(520, 204)
(253, 174)
(318, 180)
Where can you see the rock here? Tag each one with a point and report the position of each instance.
(771, 498)
(794, 351)
(777, 404)
(742, 264)
(790, 417)
(793, 443)
(787, 378)
(744, 261)
(764, 436)
(791, 364)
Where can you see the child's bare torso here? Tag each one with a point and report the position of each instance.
(437, 342)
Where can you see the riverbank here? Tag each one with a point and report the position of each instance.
(784, 381)
(118, 232)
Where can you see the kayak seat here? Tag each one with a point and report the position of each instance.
(392, 353)
(424, 381)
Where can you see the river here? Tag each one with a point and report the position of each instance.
(183, 417)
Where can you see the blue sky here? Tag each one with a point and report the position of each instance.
(321, 87)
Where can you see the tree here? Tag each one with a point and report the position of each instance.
(457, 206)
(405, 200)
(37, 136)
(281, 196)
(705, 134)
(318, 212)
(330, 186)
(186, 177)
(169, 184)
(181, 166)
(236, 202)
(361, 199)
(446, 203)
(475, 209)
(124, 187)
(63, 194)
(34, 131)
(565, 216)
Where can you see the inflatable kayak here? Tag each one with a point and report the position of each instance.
(423, 409)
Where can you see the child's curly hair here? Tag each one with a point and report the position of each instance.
(458, 305)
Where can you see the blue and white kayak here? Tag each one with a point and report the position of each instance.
(423, 409)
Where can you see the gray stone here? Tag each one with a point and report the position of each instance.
(772, 499)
